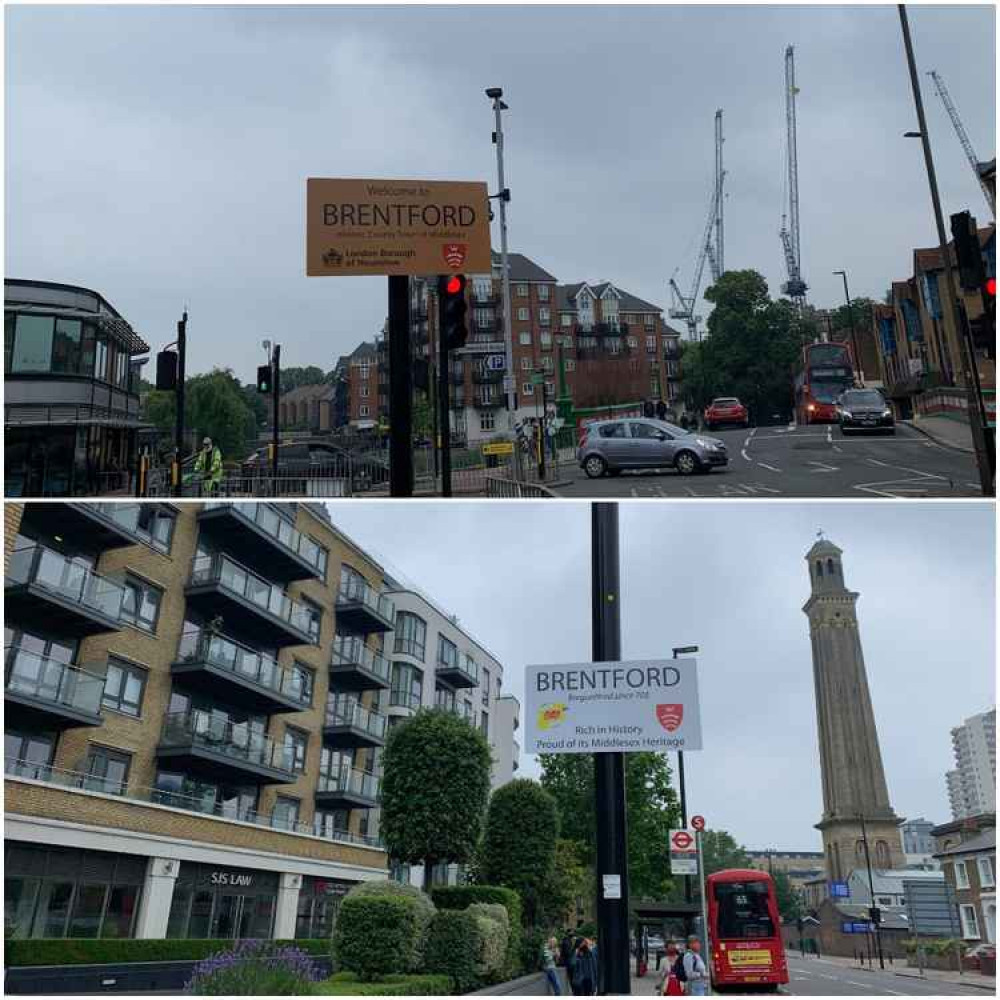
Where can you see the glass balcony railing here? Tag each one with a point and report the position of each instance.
(34, 771)
(242, 582)
(350, 651)
(351, 781)
(463, 664)
(49, 680)
(243, 662)
(280, 528)
(345, 710)
(236, 740)
(356, 591)
(69, 578)
(405, 699)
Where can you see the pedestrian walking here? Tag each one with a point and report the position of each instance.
(695, 971)
(566, 951)
(585, 969)
(549, 953)
(661, 410)
(648, 409)
(670, 982)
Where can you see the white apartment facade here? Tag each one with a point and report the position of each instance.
(972, 782)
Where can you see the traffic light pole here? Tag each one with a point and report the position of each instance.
(443, 420)
(979, 438)
(871, 888)
(400, 389)
(609, 768)
(179, 404)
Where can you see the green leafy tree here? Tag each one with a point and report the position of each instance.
(259, 405)
(652, 810)
(790, 904)
(214, 406)
(520, 841)
(159, 409)
(720, 851)
(569, 881)
(435, 785)
(293, 377)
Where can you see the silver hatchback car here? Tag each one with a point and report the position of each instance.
(611, 446)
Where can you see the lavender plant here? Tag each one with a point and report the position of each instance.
(255, 968)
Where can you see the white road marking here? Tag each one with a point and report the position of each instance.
(766, 466)
(837, 447)
(743, 452)
(823, 467)
(829, 434)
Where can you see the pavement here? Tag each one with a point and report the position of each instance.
(949, 432)
(810, 461)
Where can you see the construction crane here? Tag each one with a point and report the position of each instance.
(795, 288)
(683, 306)
(963, 137)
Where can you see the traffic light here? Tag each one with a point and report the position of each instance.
(451, 296)
(166, 370)
(971, 268)
(264, 378)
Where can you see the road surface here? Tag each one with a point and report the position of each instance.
(821, 977)
(808, 461)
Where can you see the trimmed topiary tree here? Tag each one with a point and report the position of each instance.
(495, 926)
(435, 783)
(461, 897)
(519, 846)
(423, 911)
(376, 934)
(455, 946)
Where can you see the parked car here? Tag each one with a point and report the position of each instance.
(864, 410)
(608, 447)
(726, 410)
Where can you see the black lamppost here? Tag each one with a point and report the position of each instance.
(850, 319)
(873, 911)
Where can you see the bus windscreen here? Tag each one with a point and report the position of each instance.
(743, 911)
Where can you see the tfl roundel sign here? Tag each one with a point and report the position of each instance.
(681, 840)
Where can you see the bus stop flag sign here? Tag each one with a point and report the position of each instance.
(613, 707)
(683, 852)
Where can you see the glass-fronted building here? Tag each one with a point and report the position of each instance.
(71, 391)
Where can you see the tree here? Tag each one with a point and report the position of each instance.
(435, 784)
(720, 851)
(570, 882)
(160, 408)
(214, 407)
(651, 805)
(520, 842)
(292, 378)
(789, 899)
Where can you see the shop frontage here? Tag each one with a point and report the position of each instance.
(222, 902)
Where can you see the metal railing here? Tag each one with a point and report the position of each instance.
(347, 710)
(46, 679)
(354, 590)
(42, 567)
(236, 740)
(351, 650)
(265, 517)
(497, 486)
(144, 795)
(464, 664)
(220, 651)
(404, 699)
(236, 578)
(124, 516)
(353, 781)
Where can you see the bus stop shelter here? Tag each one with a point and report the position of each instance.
(670, 920)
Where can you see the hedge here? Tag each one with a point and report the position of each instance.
(98, 951)
(423, 910)
(458, 897)
(343, 984)
(494, 922)
(454, 946)
(376, 935)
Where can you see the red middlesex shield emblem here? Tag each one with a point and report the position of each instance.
(454, 254)
(670, 716)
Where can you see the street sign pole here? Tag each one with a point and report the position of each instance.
(680, 778)
(444, 418)
(400, 388)
(609, 768)
(705, 946)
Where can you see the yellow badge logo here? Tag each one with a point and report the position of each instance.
(551, 715)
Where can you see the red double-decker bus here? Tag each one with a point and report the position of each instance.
(744, 930)
(827, 370)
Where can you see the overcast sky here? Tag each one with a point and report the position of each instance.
(159, 154)
(731, 578)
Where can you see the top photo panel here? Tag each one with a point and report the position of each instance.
(740, 252)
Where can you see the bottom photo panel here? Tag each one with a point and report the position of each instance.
(536, 748)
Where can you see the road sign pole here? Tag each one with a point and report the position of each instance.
(400, 389)
(705, 944)
(609, 768)
(444, 418)
(684, 816)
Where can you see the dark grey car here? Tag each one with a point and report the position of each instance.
(611, 446)
(864, 410)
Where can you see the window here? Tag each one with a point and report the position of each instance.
(444, 698)
(156, 526)
(486, 686)
(527, 389)
(546, 339)
(295, 748)
(548, 365)
(648, 321)
(141, 603)
(363, 411)
(970, 921)
(743, 911)
(985, 866)
(961, 875)
(32, 351)
(617, 430)
(447, 653)
(633, 342)
(570, 365)
(303, 682)
(411, 634)
(487, 420)
(28, 755)
(285, 815)
(647, 431)
(407, 686)
(523, 314)
(544, 315)
(651, 345)
(522, 291)
(524, 338)
(882, 857)
(566, 319)
(124, 685)
(543, 293)
(364, 391)
(315, 616)
(106, 770)
(484, 724)
(526, 364)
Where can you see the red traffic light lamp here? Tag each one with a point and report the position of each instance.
(991, 287)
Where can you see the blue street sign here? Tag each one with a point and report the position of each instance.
(494, 362)
(840, 890)
(856, 927)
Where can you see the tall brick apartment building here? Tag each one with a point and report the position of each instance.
(195, 701)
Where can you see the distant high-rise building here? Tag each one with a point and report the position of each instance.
(855, 796)
(917, 837)
(972, 783)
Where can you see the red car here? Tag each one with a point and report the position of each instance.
(726, 410)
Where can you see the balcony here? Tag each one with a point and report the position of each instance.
(481, 377)
(212, 746)
(485, 402)
(361, 609)
(99, 526)
(349, 725)
(355, 667)
(60, 595)
(247, 603)
(266, 541)
(462, 673)
(221, 666)
(349, 788)
(44, 693)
